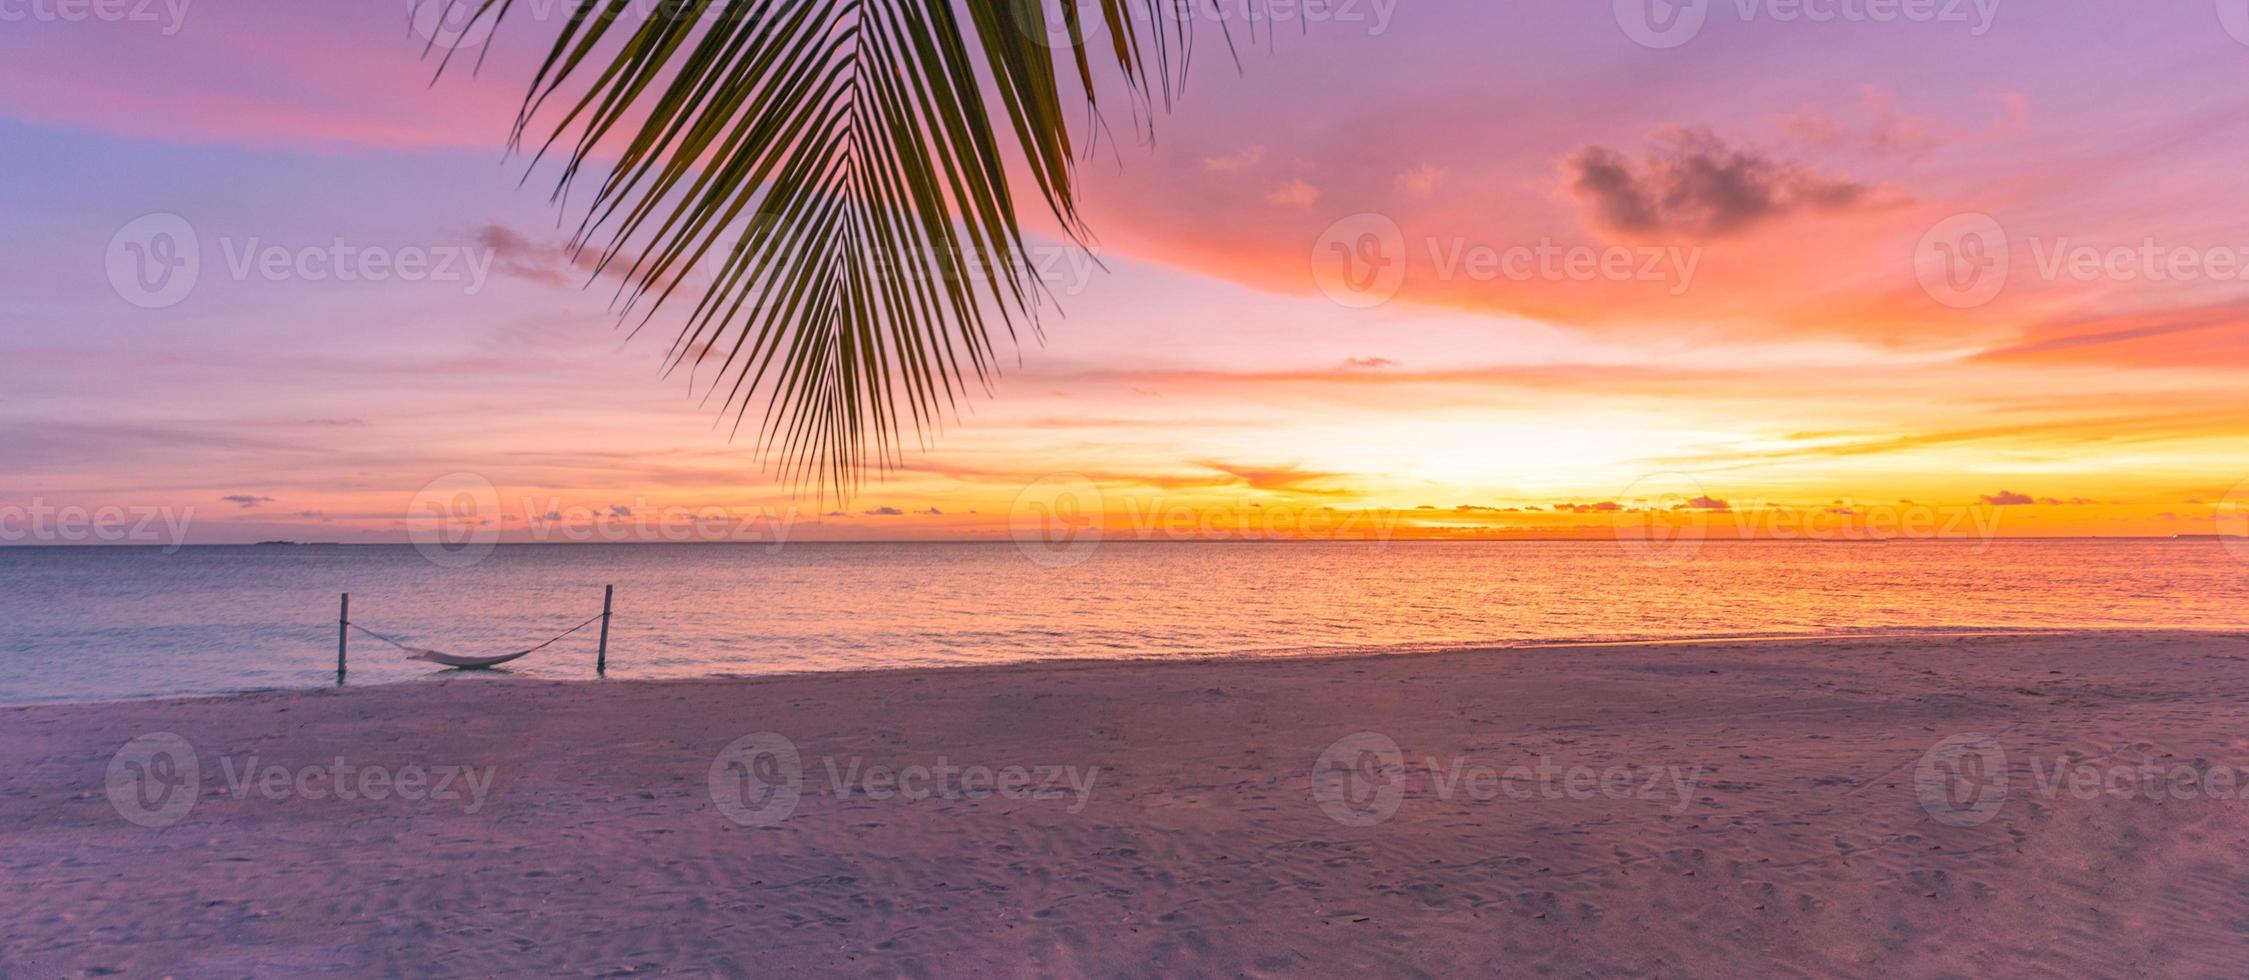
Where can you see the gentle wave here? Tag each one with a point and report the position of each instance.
(100, 624)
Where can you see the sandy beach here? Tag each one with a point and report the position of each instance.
(1669, 810)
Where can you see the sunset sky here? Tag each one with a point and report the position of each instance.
(1797, 320)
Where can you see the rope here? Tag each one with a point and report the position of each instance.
(379, 636)
(596, 618)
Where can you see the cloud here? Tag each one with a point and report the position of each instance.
(1279, 479)
(549, 263)
(515, 255)
(1236, 163)
(1422, 182)
(1297, 194)
(2008, 498)
(2143, 337)
(1883, 129)
(2059, 502)
(1604, 507)
(1704, 503)
(932, 512)
(1368, 363)
(884, 512)
(245, 500)
(1887, 130)
(1693, 184)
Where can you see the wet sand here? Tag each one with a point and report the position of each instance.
(1815, 807)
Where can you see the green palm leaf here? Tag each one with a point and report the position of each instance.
(863, 145)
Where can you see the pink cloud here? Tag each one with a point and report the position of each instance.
(1878, 127)
(1236, 162)
(1422, 182)
(1296, 194)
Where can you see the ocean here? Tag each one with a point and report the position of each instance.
(98, 623)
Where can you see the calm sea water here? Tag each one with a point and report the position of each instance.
(80, 624)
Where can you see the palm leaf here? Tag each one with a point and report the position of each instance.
(863, 146)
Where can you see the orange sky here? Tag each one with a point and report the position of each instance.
(1469, 272)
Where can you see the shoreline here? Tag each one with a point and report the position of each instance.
(1608, 811)
(1591, 539)
(1260, 655)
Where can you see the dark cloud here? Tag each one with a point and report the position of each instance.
(884, 512)
(246, 500)
(553, 263)
(620, 511)
(515, 255)
(1693, 184)
(2008, 498)
(1704, 503)
(1368, 363)
(1604, 507)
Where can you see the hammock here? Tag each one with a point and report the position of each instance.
(464, 663)
(470, 663)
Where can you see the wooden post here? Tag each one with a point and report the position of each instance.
(601, 659)
(343, 632)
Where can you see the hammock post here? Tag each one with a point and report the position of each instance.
(601, 659)
(343, 632)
